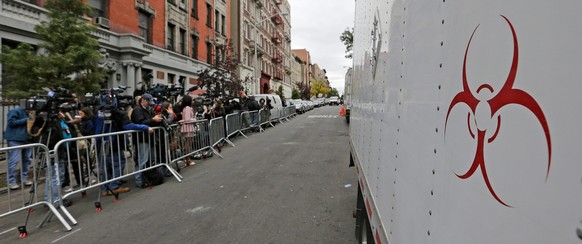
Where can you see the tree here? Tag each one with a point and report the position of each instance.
(68, 56)
(220, 79)
(304, 90)
(295, 94)
(333, 92)
(319, 87)
(280, 91)
(347, 38)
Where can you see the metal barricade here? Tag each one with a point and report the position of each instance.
(18, 196)
(289, 112)
(285, 113)
(188, 139)
(293, 110)
(233, 126)
(275, 115)
(249, 120)
(217, 133)
(264, 119)
(108, 158)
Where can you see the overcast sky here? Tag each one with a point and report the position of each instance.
(317, 25)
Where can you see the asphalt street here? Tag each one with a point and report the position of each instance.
(289, 184)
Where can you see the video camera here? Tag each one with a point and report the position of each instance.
(58, 100)
(109, 99)
(164, 92)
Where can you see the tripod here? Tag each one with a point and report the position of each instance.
(105, 154)
(40, 161)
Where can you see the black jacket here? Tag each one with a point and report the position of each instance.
(143, 116)
(253, 105)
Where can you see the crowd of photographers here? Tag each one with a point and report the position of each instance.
(61, 116)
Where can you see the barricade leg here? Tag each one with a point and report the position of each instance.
(216, 152)
(54, 212)
(229, 142)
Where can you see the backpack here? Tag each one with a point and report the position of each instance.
(152, 177)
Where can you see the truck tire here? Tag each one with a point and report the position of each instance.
(363, 228)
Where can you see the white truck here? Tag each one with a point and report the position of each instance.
(466, 121)
(348, 94)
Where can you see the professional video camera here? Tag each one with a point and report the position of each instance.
(164, 92)
(57, 100)
(109, 99)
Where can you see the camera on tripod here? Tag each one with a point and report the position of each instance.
(57, 100)
(109, 99)
(164, 92)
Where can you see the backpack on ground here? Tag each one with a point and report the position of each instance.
(152, 177)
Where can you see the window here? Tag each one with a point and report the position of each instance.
(209, 53)
(246, 30)
(31, 1)
(171, 37)
(195, 40)
(195, 9)
(144, 25)
(171, 78)
(223, 25)
(216, 19)
(183, 42)
(208, 15)
(98, 8)
(245, 57)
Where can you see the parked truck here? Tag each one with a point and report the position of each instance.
(348, 94)
(466, 121)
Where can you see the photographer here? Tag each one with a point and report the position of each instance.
(50, 131)
(16, 135)
(253, 105)
(142, 114)
(218, 109)
(167, 112)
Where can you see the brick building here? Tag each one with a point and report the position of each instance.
(264, 26)
(305, 59)
(161, 42)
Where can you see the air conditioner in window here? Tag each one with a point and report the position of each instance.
(182, 5)
(102, 21)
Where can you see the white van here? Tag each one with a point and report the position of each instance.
(275, 102)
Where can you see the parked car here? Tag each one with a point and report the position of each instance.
(334, 100)
(299, 107)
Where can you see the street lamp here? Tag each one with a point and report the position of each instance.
(256, 62)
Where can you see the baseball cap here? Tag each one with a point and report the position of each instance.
(148, 98)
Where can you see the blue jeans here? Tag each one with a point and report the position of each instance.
(254, 119)
(52, 195)
(110, 167)
(16, 156)
(143, 153)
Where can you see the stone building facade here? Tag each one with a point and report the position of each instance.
(142, 41)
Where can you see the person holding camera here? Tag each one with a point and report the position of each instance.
(143, 114)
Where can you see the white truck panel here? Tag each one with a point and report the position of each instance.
(408, 68)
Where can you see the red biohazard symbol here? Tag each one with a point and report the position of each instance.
(507, 95)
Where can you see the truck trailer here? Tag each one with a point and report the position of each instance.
(466, 121)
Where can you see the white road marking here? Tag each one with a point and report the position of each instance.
(6, 231)
(198, 210)
(322, 116)
(67, 235)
